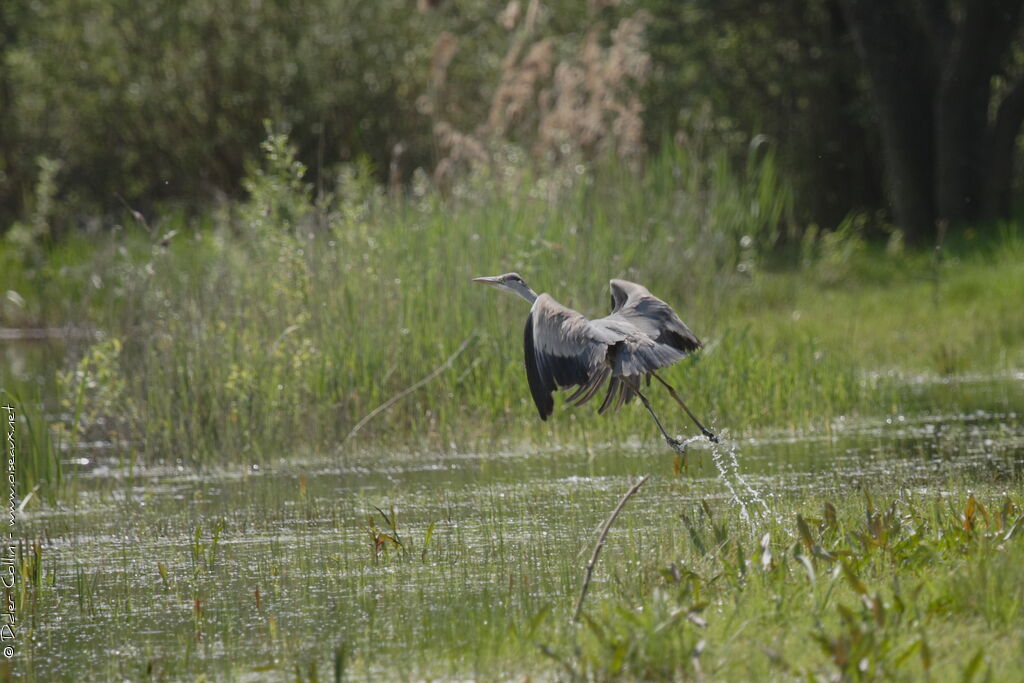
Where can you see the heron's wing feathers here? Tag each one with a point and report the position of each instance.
(538, 384)
(563, 349)
(636, 353)
(653, 317)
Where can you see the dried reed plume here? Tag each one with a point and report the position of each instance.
(585, 104)
(593, 105)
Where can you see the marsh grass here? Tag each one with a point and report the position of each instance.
(269, 329)
(205, 514)
(855, 593)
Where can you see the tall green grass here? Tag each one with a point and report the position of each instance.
(269, 328)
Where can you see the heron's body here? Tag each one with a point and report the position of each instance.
(563, 349)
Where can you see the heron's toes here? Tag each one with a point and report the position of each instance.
(678, 445)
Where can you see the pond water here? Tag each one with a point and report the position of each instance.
(403, 565)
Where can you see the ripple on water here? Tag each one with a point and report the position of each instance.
(162, 556)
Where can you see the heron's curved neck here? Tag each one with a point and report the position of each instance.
(527, 294)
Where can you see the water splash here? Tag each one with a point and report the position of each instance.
(755, 495)
(723, 474)
(723, 454)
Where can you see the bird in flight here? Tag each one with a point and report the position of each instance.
(564, 349)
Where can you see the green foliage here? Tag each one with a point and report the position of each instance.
(863, 580)
(292, 317)
(659, 642)
(32, 238)
(832, 254)
(164, 101)
(95, 395)
(38, 469)
(278, 196)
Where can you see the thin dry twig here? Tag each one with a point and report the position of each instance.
(589, 571)
(405, 392)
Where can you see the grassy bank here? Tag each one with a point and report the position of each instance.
(270, 328)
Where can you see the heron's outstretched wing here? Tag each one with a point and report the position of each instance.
(563, 349)
(632, 303)
(653, 337)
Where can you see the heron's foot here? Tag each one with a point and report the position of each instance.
(678, 445)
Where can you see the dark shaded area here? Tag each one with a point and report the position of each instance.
(785, 73)
(932, 70)
(908, 110)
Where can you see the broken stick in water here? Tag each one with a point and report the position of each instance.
(589, 571)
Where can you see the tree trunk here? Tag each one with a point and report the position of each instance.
(962, 139)
(902, 86)
(930, 75)
(961, 123)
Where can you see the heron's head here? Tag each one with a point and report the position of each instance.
(509, 282)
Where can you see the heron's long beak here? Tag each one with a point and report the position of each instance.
(492, 281)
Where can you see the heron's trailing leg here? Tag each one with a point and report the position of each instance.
(676, 445)
(704, 430)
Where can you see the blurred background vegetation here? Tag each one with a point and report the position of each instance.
(907, 115)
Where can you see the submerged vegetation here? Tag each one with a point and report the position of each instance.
(468, 566)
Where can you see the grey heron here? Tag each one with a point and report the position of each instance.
(564, 349)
